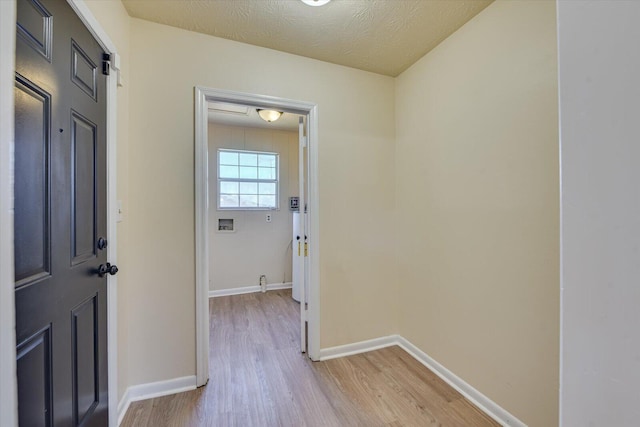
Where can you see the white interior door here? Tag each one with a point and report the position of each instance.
(302, 226)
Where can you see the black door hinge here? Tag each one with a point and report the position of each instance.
(105, 63)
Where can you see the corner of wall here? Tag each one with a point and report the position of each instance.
(477, 199)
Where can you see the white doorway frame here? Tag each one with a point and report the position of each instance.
(203, 96)
(8, 388)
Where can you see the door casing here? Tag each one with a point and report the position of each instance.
(8, 387)
(203, 96)
(8, 380)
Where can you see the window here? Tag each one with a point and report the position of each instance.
(247, 180)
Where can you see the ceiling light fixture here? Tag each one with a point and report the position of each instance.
(315, 2)
(269, 115)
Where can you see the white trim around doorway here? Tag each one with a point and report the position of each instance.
(204, 95)
(8, 387)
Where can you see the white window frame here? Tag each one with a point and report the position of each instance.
(275, 181)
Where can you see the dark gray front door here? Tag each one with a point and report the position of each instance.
(60, 215)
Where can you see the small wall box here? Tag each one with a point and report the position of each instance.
(294, 203)
(226, 225)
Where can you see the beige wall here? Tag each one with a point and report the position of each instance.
(114, 19)
(356, 141)
(256, 246)
(450, 173)
(477, 197)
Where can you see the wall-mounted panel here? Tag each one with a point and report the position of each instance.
(83, 182)
(35, 380)
(32, 202)
(84, 334)
(35, 26)
(83, 71)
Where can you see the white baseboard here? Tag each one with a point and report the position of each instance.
(248, 289)
(485, 404)
(151, 390)
(123, 406)
(357, 347)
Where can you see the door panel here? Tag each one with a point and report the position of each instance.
(34, 392)
(83, 70)
(85, 358)
(83, 157)
(60, 202)
(35, 27)
(32, 255)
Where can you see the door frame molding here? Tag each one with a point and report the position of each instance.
(8, 388)
(203, 95)
(8, 384)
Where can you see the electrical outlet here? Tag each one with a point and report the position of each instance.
(268, 217)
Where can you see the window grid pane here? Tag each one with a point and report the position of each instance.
(249, 201)
(228, 201)
(266, 201)
(247, 180)
(267, 173)
(228, 187)
(267, 160)
(228, 171)
(248, 188)
(248, 159)
(227, 158)
(267, 188)
(248, 172)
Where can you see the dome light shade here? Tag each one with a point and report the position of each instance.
(269, 115)
(315, 2)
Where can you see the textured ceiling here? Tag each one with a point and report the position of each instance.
(382, 36)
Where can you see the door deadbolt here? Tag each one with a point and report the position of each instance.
(102, 243)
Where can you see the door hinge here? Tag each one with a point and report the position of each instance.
(106, 63)
(303, 141)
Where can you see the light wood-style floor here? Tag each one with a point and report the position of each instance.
(259, 378)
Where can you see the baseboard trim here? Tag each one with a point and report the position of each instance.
(248, 289)
(485, 404)
(357, 348)
(155, 389)
(123, 406)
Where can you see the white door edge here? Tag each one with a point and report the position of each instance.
(303, 236)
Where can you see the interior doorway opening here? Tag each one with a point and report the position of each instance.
(257, 166)
(307, 198)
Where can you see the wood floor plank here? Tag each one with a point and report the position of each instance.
(258, 377)
(138, 413)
